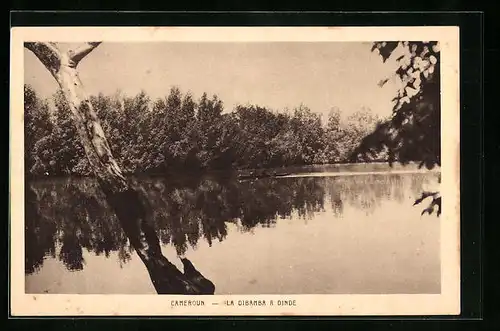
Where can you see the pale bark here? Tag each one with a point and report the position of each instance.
(131, 207)
(63, 67)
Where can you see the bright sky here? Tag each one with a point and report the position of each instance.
(276, 75)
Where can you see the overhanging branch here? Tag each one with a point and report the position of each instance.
(76, 55)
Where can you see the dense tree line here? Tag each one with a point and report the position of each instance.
(179, 132)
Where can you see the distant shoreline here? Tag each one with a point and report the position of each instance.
(300, 171)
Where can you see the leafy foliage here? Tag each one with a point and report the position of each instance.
(412, 134)
(179, 133)
(435, 201)
(37, 126)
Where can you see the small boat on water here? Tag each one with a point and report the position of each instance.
(263, 174)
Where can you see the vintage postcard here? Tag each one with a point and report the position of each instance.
(203, 171)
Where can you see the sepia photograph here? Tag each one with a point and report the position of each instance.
(235, 171)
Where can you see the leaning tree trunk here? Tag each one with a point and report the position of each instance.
(130, 205)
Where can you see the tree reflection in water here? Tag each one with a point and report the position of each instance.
(69, 215)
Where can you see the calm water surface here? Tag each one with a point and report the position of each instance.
(338, 231)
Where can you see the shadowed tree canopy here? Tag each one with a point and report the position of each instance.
(412, 133)
(180, 133)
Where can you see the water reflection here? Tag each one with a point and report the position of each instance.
(65, 216)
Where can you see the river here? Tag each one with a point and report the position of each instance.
(349, 229)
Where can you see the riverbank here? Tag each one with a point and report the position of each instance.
(314, 170)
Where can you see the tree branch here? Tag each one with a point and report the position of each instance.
(76, 55)
(47, 53)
